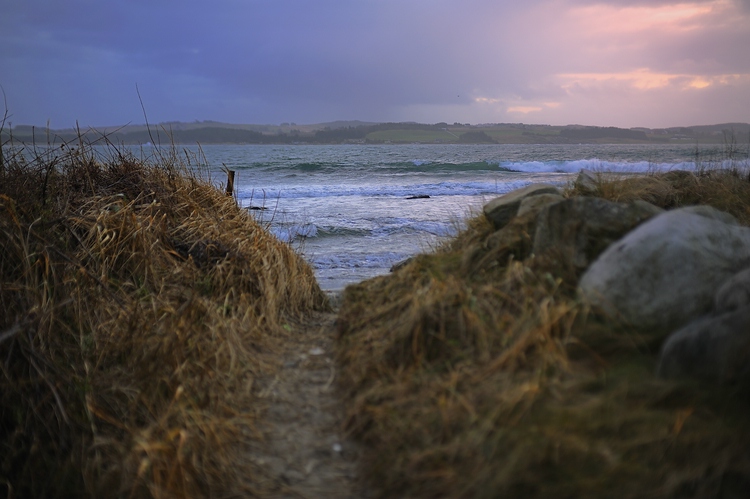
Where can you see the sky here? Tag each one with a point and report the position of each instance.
(625, 63)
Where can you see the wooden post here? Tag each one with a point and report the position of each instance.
(230, 182)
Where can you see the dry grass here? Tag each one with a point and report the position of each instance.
(138, 305)
(475, 372)
(725, 189)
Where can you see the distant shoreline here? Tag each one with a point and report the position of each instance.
(729, 134)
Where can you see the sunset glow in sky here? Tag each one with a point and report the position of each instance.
(653, 63)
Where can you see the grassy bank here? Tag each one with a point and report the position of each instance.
(138, 304)
(476, 372)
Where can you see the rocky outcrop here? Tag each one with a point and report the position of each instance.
(581, 228)
(501, 210)
(534, 204)
(712, 348)
(734, 293)
(686, 270)
(515, 239)
(587, 182)
(665, 273)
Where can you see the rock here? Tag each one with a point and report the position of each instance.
(734, 293)
(712, 214)
(587, 182)
(713, 348)
(582, 227)
(665, 272)
(534, 204)
(514, 239)
(501, 210)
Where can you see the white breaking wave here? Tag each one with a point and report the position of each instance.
(381, 228)
(597, 165)
(357, 261)
(293, 232)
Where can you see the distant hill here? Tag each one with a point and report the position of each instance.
(337, 132)
(477, 137)
(593, 132)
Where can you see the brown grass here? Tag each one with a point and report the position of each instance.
(475, 372)
(724, 189)
(138, 305)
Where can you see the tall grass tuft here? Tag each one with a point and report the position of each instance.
(137, 307)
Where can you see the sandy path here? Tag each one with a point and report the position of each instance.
(305, 453)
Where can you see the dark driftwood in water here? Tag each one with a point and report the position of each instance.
(257, 208)
(230, 182)
(420, 196)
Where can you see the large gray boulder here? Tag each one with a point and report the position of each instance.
(665, 272)
(734, 293)
(581, 228)
(714, 349)
(501, 210)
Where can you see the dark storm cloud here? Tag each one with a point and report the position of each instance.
(370, 55)
(305, 61)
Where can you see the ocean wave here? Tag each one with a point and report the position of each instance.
(382, 228)
(536, 166)
(357, 261)
(431, 227)
(342, 232)
(440, 229)
(412, 166)
(289, 232)
(312, 167)
(420, 166)
(295, 231)
(471, 188)
(344, 185)
(597, 165)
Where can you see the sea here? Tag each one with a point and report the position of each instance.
(354, 210)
